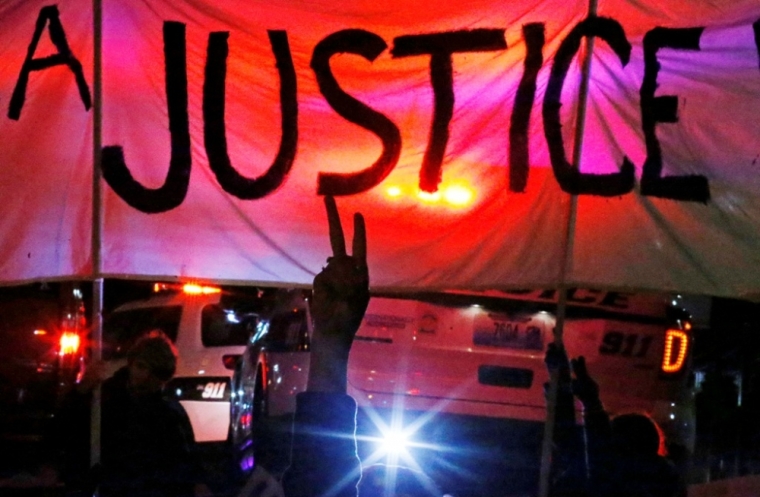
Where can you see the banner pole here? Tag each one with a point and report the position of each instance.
(97, 223)
(551, 397)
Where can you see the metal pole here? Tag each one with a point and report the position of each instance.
(97, 222)
(551, 400)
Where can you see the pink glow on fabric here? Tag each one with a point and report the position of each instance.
(501, 238)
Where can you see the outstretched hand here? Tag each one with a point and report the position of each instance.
(556, 358)
(340, 298)
(584, 387)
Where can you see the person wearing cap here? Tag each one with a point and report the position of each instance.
(146, 440)
(147, 443)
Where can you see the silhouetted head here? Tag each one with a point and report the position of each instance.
(636, 434)
(380, 480)
(152, 361)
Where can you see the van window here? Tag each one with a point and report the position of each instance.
(287, 332)
(226, 326)
(123, 328)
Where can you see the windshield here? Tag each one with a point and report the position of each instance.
(123, 328)
(226, 325)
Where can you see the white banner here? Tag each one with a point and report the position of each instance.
(452, 128)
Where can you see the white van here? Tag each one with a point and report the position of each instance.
(210, 327)
(484, 355)
(428, 365)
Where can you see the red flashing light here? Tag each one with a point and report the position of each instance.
(676, 347)
(69, 343)
(230, 361)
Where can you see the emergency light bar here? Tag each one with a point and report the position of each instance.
(188, 288)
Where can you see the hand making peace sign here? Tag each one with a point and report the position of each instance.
(341, 289)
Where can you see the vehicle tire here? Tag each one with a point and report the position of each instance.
(245, 434)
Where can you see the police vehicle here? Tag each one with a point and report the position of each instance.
(210, 326)
(431, 372)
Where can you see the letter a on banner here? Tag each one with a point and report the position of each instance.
(64, 57)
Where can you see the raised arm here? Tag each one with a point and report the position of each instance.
(596, 423)
(323, 453)
(568, 475)
(341, 295)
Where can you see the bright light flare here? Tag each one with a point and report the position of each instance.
(429, 197)
(458, 195)
(393, 191)
(394, 442)
(69, 343)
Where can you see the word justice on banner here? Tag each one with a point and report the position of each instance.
(439, 47)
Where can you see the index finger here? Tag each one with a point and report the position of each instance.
(359, 248)
(337, 240)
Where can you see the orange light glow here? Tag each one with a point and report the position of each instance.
(674, 356)
(393, 191)
(196, 289)
(40, 332)
(429, 197)
(687, 326)
(69, 343)
(187, 288)
(458, 195)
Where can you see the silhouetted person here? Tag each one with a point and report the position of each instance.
(147, 443)
(718, 422)
(380, 480)
(324, 460)
(624, 453)
(568, 475)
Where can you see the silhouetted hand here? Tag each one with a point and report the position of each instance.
(341, 289)
(556, 358)
(556, 362)
(341, 296)
(584, 387)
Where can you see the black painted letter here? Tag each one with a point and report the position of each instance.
(568, 175)
(664, 109)
(369, 46)
(64, 57)
(214, 133)
(173, 191)
(440, 47)
(519, 162)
